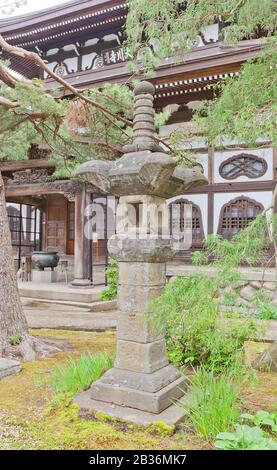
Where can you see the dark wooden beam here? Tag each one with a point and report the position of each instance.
(38, 189)
(29, 200)
(11, 166)
(234, 187)
(200, 62)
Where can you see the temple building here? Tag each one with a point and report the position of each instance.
(82, 42)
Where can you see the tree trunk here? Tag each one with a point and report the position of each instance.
(13, 322)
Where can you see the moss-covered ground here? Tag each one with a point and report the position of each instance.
(32, 416)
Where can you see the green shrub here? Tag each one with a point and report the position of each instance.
(230, 298)
(267, 311)
(112, 277)
(263, 419)
(214, 403)
(190, 308)
(78, 374)
(245, 438)
(15, 339)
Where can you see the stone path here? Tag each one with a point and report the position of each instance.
(69, 318)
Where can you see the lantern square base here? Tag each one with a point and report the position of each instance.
(172, 416)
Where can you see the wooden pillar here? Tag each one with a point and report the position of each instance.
(210, 194)
(80, 243)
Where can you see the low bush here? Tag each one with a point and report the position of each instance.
(110, 292)
(263, 419)
(267, 311)
(245, 438)
(195, 332)
(78, 374)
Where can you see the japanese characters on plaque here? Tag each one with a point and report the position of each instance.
(113, 56)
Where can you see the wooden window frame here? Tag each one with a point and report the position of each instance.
(233, 202)
(195, 243)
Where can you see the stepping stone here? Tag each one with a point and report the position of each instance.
(8, 367)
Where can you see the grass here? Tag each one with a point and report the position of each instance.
(215, 404)
(78, 374)
(31, 418)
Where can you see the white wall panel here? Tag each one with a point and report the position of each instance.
(266, 154)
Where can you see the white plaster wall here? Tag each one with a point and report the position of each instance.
(263, 197)
(72, 64)
(210, 32)
(51, 66)
(266, 154)
(203, 158)
(87, 60)
(111, 207)
(202, 201)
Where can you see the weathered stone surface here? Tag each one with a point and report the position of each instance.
(152, 402)
(270, 286)
(172, 415)
(141, 357)
(137, 298)
(247, 292)
(141, 381)
(240, 283)
(8, 367)
(140, 327)
(144, 172)
(267, 361)
(242, 303)
(256, 284)
(146, 169)
(142, 378)
(148, 250)
(142, 274)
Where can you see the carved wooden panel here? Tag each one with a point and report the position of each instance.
(243, 164)
(236, 215)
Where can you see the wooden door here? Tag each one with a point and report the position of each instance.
(56, 224)
(70, 228)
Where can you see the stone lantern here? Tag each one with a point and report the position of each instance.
(142, 385)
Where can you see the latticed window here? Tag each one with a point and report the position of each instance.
(197, 224)
(14, 222)
(236, 215)
(243, 165)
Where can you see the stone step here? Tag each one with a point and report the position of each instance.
(253, 274)
(8, 367)
(97, 306)
(59, 292)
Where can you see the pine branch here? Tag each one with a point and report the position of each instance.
(34, 57)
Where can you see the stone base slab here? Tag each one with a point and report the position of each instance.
(138, 399)
(138, 381)
(8, 367)
(173, 415)
(44, 276)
